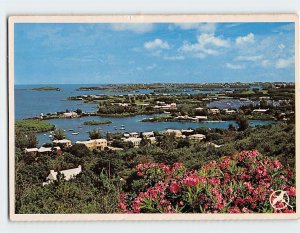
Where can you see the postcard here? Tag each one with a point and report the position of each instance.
(153, 117)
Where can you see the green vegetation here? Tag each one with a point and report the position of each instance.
(34, 125)
(106, 174)
(47, 88)
(98, 122)
(95, 134)
(59, 134)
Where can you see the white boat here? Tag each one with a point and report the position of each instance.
(75, 133)
(50, 136)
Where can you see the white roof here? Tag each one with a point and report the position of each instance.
(148, 133)
(187, 130)
(132, 139)
(91, 141)
(45, 149)
(173, 130)
(201, 117)
(70, 173)
(260, 110)
(198, 135)
(31, 149)
(62, 141)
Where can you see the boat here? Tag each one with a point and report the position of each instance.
(50, 136)
(44, 134)
(71, 129)
(75, 133)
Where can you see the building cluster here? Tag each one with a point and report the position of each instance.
(163, 106)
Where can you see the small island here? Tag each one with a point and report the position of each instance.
(99, 122)
(47, 88)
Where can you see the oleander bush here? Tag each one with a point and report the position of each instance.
(240, 183)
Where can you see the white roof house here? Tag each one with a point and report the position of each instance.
(260, 110)
(70, 114)
(68, 174)
(31, 150)
(176, 132)
(47, 149)
(136, 141)
(148, 134)
(187, 130)
(66, 142)
(134, 134)
(201, 117)
(197, 137)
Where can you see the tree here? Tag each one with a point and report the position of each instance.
(242, 122)
(59, 134)
(78, 111)
(95, 134)
(25, 139)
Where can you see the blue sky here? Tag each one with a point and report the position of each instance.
(144, 53)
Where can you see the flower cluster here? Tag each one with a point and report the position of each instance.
(240, 183)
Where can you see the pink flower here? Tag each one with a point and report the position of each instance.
(174, 187)
(291, 191)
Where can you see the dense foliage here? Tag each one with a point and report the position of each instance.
(106, 174)
(34, 125)
(240, 183)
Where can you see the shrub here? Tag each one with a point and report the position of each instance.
(240, 183)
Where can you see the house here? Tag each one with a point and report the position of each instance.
(135, 141)
(31, 151)
(122, 104)
(49, 150)
(264, 98)
(148, 134)
(64, 142)
(201, 118)
(260, 110)
(94, 143)
(114, 148)
(70, 114)
(68, 174)
(175, 132)
(197, 137)
(43, 150)
(187, 131)
(214, 145)
(214, 111)
(229, 112)
(133, 134)
(152, 140)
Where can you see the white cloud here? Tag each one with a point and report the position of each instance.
(249, 58)
(203, 27)
(281, 46)
(266, 63)
(283, 63)
(156, 44)
(151, 67)
(134, 27)
(234, 66)
(207, 44)
(174, 58)
(242, 40)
